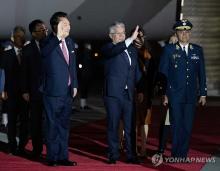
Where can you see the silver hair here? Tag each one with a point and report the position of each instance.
(18, 28)
(113, 27)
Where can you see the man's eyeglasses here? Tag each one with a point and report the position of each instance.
(41, 30)
(119, 33)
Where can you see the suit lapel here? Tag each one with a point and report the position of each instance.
(130, 54)
(190, 49)
(14, 55)
(125, 56)
(36, 49)
(68, 44)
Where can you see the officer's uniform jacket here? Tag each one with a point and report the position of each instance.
(186, 78)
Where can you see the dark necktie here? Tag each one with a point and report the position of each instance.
(65, 54)
(19, 56)
(184, 50)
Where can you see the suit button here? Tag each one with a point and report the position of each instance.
(187, 76)
(187, 69)
(187, 83)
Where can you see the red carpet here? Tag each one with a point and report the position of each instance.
(88, 147)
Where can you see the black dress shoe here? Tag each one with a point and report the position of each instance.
(133, 161)
(22, 153)
(85, 108)
(111, 161)
(66, 163)
(13, 153)
(36, 157)
(51, 163)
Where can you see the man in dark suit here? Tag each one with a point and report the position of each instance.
(16, 105)
(31, 77)
(183, 66)
(121, 76)
(59, 86)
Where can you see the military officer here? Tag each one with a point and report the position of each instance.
(183, 66)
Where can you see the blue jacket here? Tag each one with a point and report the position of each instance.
(118, 72)
(186, 78)
(2, 80)
(56, 71)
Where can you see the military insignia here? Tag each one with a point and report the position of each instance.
(174, 56)
(191, 47)
(194, 56)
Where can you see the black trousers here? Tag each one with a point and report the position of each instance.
(17, 113)
(36, 119)
(164, 130)
(116, 109)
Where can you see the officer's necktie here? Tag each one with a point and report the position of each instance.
(19, 56)
(184, 50)
(65, 54)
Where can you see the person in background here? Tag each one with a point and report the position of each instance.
(31, 74)
(2, 73)
(122, 74)
(144, 92)
(59, 87)
(4, 120)
(17, 107)
(182, 64)
(165, 122)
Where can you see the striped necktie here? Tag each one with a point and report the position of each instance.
(65, 54)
